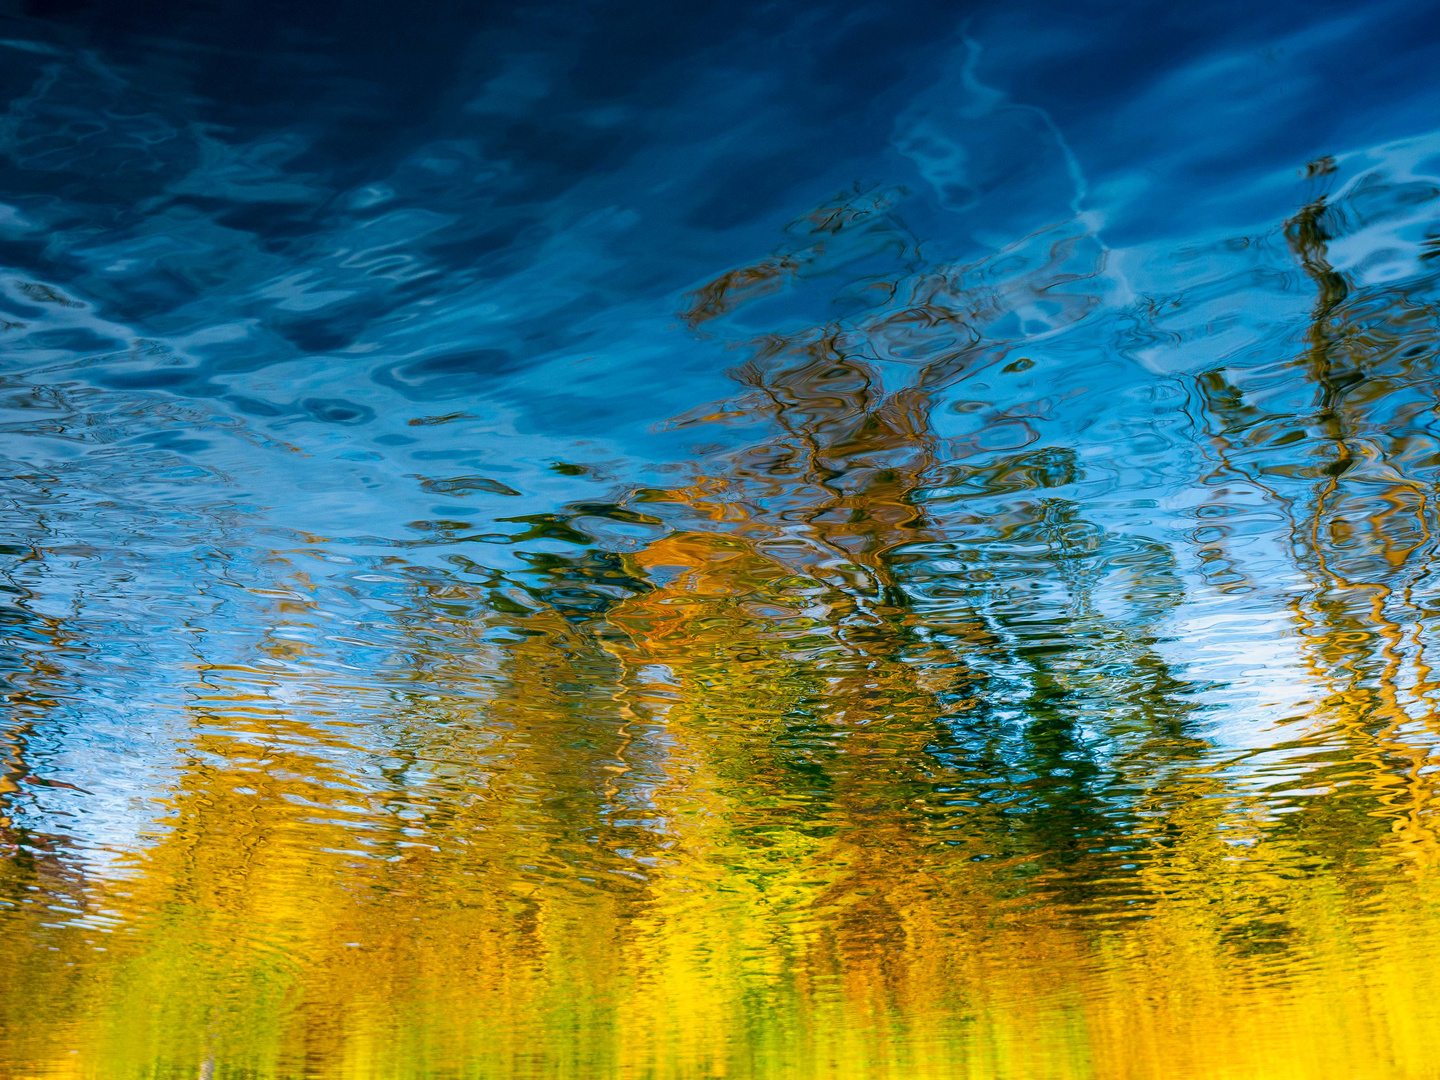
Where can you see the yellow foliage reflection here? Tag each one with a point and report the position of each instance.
(838, 777)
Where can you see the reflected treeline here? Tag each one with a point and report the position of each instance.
(860, 750)
(32, 677)
(1338, 439)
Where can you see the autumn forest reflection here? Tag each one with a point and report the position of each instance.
(1002, 659)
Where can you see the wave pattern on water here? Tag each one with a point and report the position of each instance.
(808, 542)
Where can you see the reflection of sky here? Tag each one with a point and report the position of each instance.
(239, 311)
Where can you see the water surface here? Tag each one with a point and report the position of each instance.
(793, 540)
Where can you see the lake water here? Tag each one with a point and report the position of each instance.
(659, 542)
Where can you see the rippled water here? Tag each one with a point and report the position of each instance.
(801, 540)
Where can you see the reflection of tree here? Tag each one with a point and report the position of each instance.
(961, 685)
(858, 496)
(858, 757)
(1337, 438)
(305, 882)
(888, 657)
(38, 869)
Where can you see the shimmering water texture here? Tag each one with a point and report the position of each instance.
(598, 541)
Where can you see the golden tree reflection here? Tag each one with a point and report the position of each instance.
(867, 762)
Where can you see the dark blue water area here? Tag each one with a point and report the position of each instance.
(327, 220)
(355, 288)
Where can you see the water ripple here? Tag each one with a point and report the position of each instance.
(811, 542)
